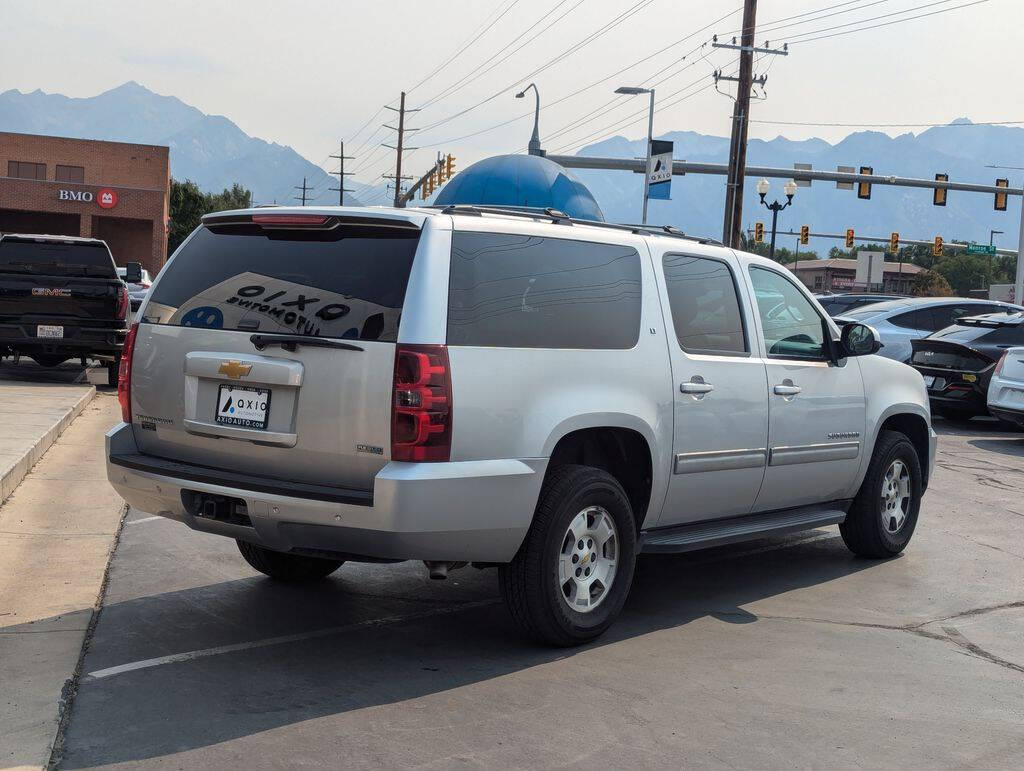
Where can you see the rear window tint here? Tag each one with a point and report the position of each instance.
(71, 259)
(519, 291)
(348, 282)
(705, 305)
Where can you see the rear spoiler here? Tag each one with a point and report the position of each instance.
(299, 221)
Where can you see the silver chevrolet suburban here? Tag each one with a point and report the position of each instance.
(508, 388)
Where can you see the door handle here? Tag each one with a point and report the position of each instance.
(787, 389)
(695, 386)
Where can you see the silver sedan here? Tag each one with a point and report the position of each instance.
(910, 318)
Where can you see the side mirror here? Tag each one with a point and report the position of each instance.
(133, 272)
(859, 340)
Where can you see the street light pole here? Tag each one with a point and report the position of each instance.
(775, 207)
(632, 90)
(650, 146)
(534, 146)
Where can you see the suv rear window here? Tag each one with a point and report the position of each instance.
(347, 282)
(521, 291)
(26, 255)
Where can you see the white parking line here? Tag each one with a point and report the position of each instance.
(144, 519)
(288, 638)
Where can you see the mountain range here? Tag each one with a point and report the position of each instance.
(215, 153)
(961, 149)
(208, 149)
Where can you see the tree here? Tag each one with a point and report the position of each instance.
(189, 204)
(965, 272)
(930, 283)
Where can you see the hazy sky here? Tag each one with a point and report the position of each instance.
(309, 73)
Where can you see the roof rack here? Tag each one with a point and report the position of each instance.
(561, 218)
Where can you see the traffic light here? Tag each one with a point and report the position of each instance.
(937, 247)
(449, 165)
(1001, 197)
(894, 243)
(849, 237)
(805, 234)
(939, 194)
(864, 188)
(758, 232)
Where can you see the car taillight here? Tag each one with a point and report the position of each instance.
(124, 374)
(122, 303)
(999, 365)
(421, 404)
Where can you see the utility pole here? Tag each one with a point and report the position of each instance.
(399, 147)
(304, 188)
(341, 173)
(738, 140)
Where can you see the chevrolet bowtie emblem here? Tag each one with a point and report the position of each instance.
(234, 369)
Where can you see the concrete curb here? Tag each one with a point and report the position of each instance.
(12, 476)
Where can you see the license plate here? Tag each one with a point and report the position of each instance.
(929, 381)
(46, 330)
(243, 406)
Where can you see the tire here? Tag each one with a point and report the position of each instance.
(287, 567)
(531, 584)
(871, 530)
(49, 359)
(112, 372)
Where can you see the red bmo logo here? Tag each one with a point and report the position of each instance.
(106, 198)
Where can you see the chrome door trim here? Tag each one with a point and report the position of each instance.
(719, 460)
(813, 453)
(259, 436)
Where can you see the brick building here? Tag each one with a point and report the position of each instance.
(839, 275)
(81, 187)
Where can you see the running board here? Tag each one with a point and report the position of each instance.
(704, 535)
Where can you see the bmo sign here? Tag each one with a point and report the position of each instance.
(106, 198)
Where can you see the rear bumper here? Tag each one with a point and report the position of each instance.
(77, 339)
(463, 511)
(1009, 414)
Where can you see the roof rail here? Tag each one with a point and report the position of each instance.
(560, 217)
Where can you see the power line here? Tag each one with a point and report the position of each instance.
(474, 36)
(782, 23)
(635, 8)
(599, 81)
(794, 40)
(477, 72)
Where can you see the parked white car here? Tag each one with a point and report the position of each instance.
(897, 322)
(1006, 388)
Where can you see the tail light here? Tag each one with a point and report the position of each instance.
(124, 374)
(123, 303)
(421, 407)
(999, 366)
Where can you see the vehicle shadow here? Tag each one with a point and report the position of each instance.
(1008, 446)
(396, 644)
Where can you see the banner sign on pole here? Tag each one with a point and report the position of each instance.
(659, 171)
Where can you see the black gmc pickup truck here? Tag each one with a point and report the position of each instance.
(61, 298)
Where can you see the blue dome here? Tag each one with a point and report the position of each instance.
(521, 180)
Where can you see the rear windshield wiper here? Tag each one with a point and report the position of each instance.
(292, 342)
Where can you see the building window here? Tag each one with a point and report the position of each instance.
(26, 170)
(818, 282)
(70, 173)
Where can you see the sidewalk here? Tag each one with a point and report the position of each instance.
(57, 531)
(31, 419)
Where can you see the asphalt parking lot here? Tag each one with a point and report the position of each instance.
(785, 652)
